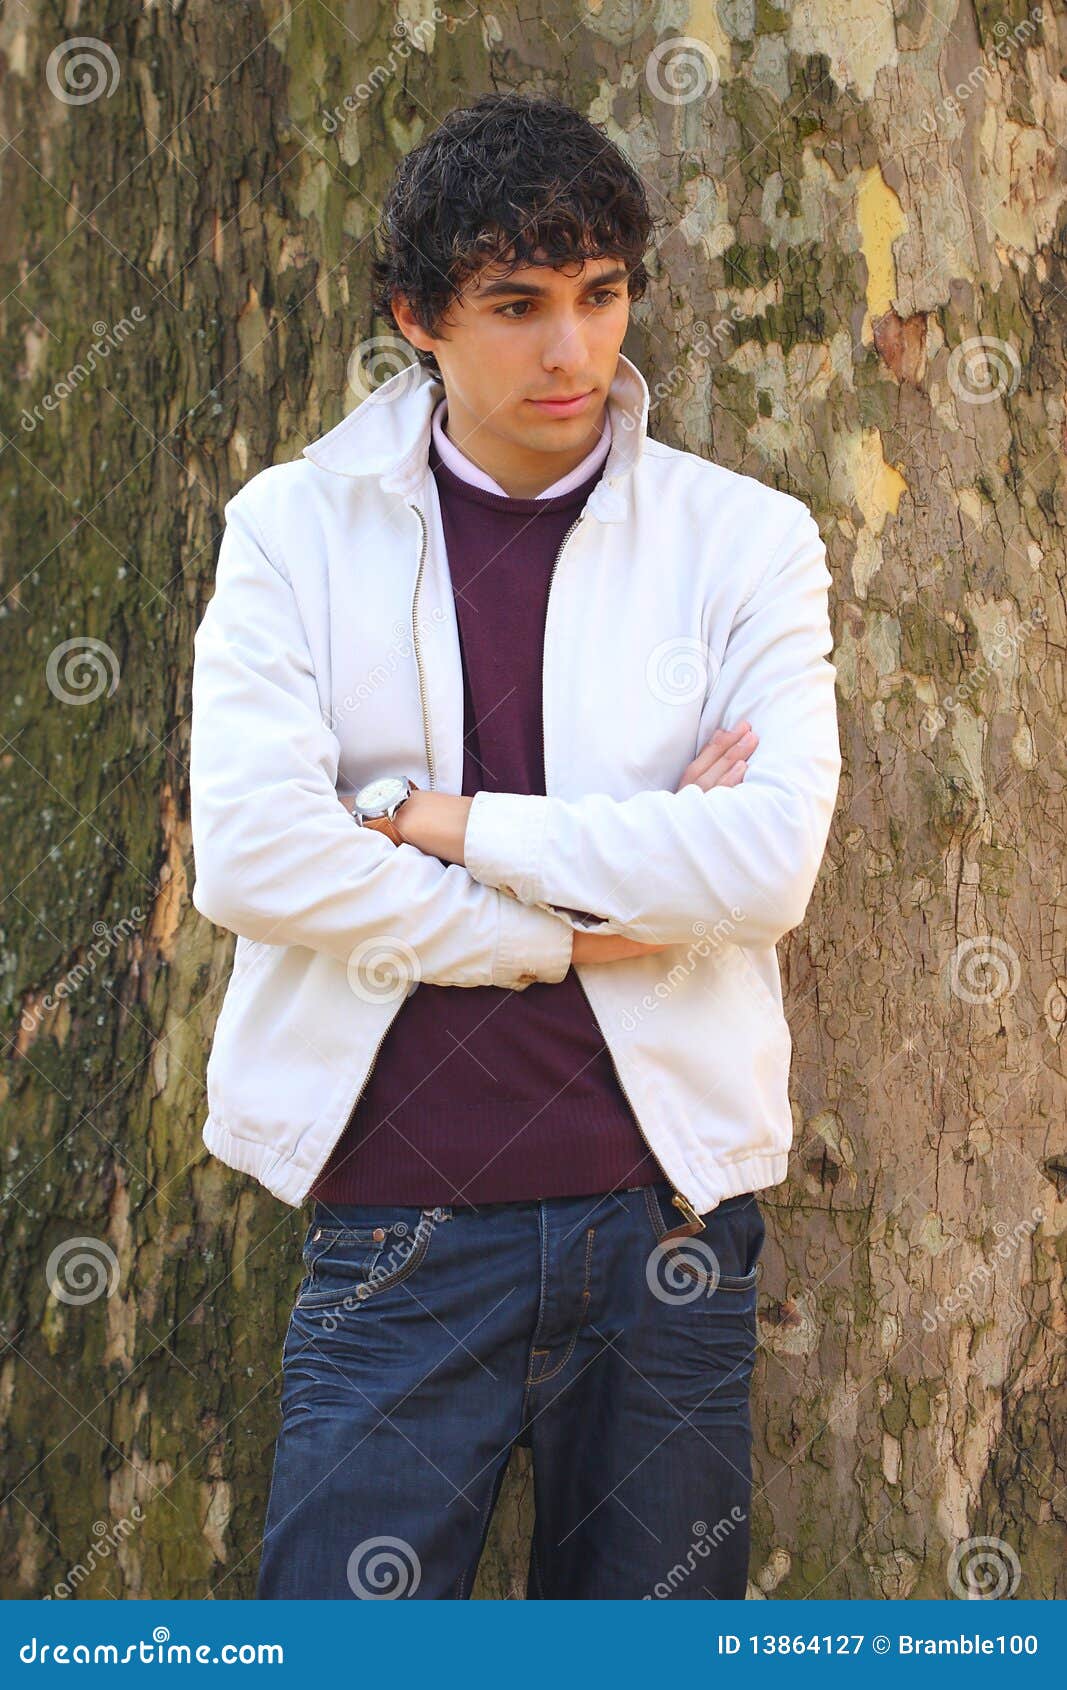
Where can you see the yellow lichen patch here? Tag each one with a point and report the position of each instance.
(252, 335)
(705, 25)
(862, 476)
(46, 1012)
(167, 909)
(881, 219)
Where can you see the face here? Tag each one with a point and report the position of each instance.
(508, 343)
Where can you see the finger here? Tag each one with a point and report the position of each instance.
(725, 745)
(733, 777)
(739, 752)
(716, 768)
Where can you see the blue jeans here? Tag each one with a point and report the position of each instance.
(425, 1342)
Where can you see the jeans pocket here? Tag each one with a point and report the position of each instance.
(736, 1231)
(718, 1269)
(347, 1264)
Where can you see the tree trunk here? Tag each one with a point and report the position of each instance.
(859, 297)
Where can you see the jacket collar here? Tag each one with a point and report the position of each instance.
(388, 435)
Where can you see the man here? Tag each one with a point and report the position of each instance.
(476, 782)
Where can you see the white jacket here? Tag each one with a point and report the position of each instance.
(684, 598)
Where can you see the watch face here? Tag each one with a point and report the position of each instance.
(375, 798)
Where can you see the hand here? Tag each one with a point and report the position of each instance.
(721, 762)
(607, 947)
(434, 822)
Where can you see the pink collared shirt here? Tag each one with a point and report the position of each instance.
(459, 463)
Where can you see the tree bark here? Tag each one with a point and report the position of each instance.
(858, 296)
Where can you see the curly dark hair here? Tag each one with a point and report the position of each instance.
(499, 180)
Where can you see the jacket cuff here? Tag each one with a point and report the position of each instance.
(502, 845)
(531, 945)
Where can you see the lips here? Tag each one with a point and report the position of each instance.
(563, 407)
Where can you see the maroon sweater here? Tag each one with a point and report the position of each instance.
(480, 1093)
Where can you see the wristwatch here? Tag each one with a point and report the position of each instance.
(377, 803)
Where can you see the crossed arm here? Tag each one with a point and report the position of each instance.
(661, 866)
(436, 822)
(278, 860)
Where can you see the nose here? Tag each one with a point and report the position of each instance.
(565, 346)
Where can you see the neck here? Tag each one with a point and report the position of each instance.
(520, 471)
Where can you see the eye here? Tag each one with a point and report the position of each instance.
(603, 294)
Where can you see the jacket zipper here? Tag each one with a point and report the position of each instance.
(418, 654)
(680, 1201)
(363, 1086)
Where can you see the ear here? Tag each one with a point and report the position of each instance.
(409, 326)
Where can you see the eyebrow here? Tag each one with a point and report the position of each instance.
(533, 290)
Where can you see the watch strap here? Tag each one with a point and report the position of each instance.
(385, 824)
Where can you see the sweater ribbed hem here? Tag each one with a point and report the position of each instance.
(571, 1149)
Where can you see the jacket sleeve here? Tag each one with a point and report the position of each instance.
(668, 866)
(277, 856)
